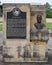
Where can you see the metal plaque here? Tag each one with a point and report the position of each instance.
(16, 25)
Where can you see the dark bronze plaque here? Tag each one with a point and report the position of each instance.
(16, 25)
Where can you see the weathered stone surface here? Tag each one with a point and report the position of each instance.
(11, 45)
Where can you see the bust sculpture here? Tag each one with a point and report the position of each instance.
(39, 33)
(39, 24)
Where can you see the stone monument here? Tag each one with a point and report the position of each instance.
(24, 35)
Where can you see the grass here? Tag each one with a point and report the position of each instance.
(48, 25)
(0, 27)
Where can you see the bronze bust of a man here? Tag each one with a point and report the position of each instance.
(39, 24)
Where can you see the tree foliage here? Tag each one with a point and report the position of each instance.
(48, 10)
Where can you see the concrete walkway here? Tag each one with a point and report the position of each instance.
(49, 20)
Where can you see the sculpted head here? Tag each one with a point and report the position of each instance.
(39, 18)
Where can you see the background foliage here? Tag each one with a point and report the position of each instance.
(48, 10)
